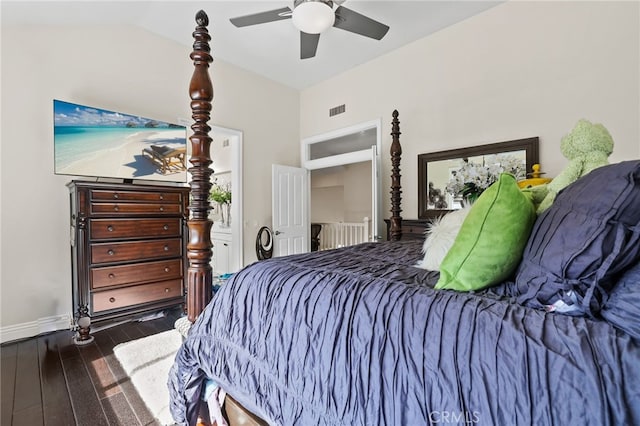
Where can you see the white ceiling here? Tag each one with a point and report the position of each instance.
(271, 49)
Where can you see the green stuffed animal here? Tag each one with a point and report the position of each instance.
(587, 147)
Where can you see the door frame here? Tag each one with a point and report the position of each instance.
(349, 158)
(237, 218)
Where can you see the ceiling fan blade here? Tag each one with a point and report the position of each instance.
(262, 17)
(308, 45)
(348, 20)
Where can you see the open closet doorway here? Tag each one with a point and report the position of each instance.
(344, 185)
(226, 233)
(225, 152)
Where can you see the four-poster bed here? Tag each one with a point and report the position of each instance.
(358, 335)
(199, 273)
(199, 248)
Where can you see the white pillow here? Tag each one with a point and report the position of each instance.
(440, 236)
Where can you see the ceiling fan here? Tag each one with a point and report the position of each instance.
(312, 17)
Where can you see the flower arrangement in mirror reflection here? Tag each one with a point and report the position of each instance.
(221, 194)
(471, 179)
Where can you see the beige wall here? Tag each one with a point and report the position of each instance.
(341, 194)
(221, 154)
(517, 70)
(357, 188)
(327, 195)
(327, 204)
(520, 69)
(121, 69)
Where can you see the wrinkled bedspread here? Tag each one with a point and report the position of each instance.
(357, 336)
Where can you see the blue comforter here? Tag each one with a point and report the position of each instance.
(358, 336)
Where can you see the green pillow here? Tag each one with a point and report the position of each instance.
(490, 243)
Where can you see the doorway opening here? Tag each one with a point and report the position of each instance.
(226, 233)
(225, 152)
(344, 200)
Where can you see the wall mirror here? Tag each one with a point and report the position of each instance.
(436, 170)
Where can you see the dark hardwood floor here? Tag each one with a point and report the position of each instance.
(48, 380)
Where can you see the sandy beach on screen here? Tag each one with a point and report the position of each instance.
(126, 161)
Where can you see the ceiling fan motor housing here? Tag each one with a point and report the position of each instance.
(313, 16)
(298, 2)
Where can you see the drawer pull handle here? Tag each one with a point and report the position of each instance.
(110, 252)
(112, 276)
(116, 196)
(162, 196)
(165, 227)
(110, 228)
(115, 208)
(161, 208)
(112, 299)
(166, 290)
(167, 269)
(166, 248)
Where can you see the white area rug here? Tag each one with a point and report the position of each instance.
(147, 362)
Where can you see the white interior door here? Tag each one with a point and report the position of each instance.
(290, 210)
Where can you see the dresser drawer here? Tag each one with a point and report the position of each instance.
(138, 196)
(135, 250)
(101, 229)
(129, 208)
(129, 296)
(413, 232)
(135, 273)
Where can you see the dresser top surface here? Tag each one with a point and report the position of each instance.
(125, 186)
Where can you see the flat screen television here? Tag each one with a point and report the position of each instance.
(95, 142)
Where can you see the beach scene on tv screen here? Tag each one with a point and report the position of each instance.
(96, 142)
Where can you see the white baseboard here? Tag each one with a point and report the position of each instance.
(34, 328)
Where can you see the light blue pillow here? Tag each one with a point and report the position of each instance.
(583, 242)
(622, 308)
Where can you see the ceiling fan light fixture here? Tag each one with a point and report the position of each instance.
(313, 17)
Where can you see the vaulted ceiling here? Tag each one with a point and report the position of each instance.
(270, 49)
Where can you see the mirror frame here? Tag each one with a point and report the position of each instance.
(529, 145)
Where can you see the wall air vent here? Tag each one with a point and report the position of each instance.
(336, 110)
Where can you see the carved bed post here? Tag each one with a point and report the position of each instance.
(199, 273)
(395, 231)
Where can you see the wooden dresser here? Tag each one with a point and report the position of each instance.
(128, 248)
(412, 229)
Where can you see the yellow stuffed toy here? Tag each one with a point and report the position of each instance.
(587, 147)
